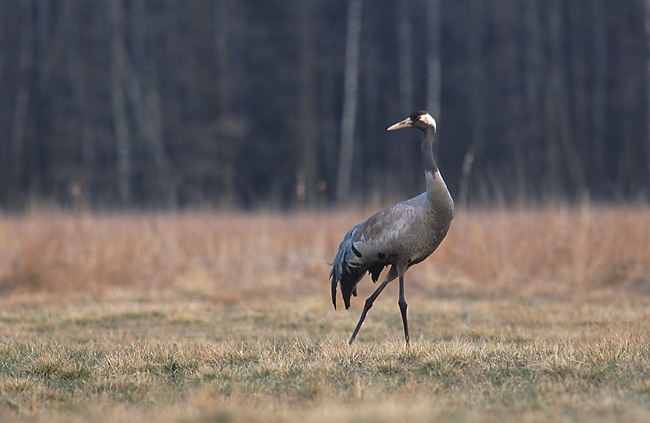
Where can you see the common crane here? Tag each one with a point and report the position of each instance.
(399, 236)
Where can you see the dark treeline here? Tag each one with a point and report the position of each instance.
(161, 103)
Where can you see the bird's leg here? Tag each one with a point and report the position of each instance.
(402, 308)
(371, 299)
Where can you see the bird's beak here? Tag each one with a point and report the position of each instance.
(406, 123)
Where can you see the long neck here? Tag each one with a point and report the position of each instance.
(427, 152)
(437, 191)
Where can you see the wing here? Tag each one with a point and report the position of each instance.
(347, 269)
(383, 234)
(369, 247)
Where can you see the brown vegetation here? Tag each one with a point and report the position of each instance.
(229, 256)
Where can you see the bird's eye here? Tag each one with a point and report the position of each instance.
(415, 116)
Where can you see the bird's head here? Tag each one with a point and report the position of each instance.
(420, 119)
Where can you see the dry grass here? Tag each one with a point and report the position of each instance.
(223, 256)
(240, 256)
(522, 315)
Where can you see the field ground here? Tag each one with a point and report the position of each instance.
(522, 315)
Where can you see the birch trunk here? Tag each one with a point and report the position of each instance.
(434, 69)
(350, 89)
(307, 190)
(118, 103)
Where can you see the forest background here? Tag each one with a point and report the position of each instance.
(281, 104)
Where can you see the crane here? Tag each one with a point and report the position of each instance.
(399, 236)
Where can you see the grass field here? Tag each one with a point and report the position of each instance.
(521, 315)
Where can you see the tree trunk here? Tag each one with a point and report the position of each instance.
(477, 106)
(145, 102)
(533, 130)
(350, 88)
(19, 124)
(118, 103)
(564, 162)
(223, 22)
(402, 159)
(647, 88)
(80, 188)
(144, 98)
(405, 56)
(307, 188)
(434, 70)
(598, 107)
(577, 89)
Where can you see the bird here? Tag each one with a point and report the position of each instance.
(397, 237)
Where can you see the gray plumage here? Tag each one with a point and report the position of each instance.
(397, 237)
